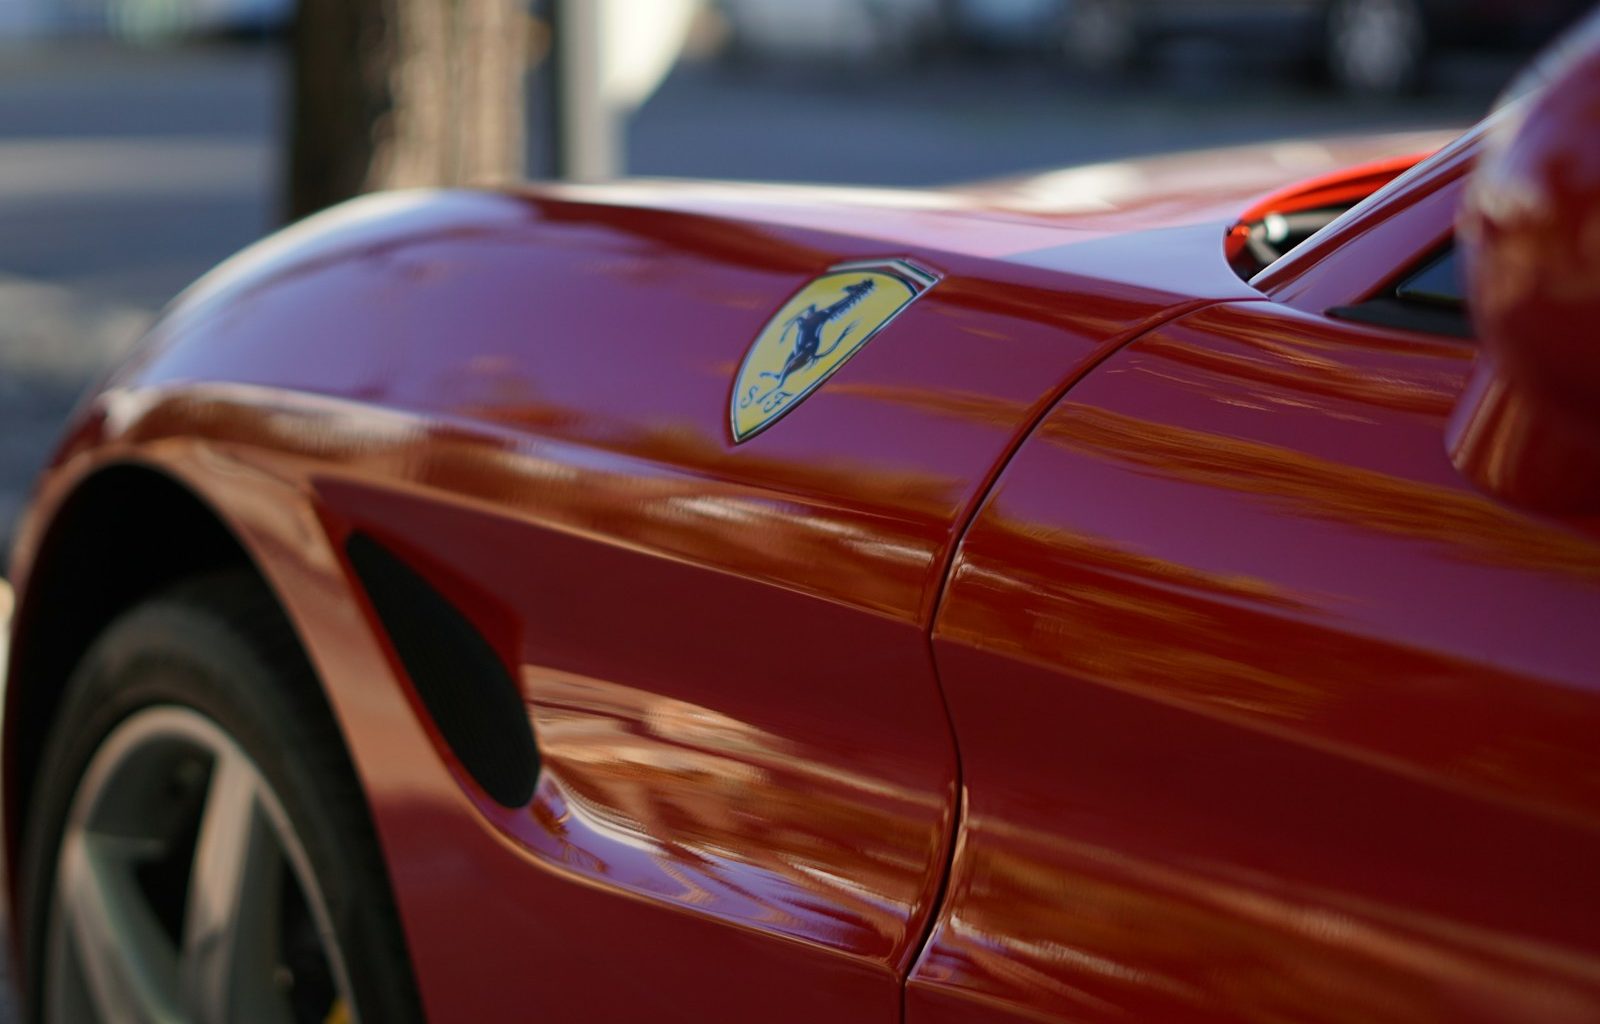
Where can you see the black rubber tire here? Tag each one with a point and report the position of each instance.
(220, 645)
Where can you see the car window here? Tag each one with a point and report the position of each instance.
(1439, 282)
(1432, 299)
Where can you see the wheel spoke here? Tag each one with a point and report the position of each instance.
(231, 926)
(109, 940)
(182, 892)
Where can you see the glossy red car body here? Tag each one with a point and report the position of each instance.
(1110, 639)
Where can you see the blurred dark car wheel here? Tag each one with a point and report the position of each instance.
(1377, 47)
(197, 846)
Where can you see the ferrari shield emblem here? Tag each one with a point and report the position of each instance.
(815, 333)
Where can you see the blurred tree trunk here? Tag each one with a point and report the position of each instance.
(402, 93)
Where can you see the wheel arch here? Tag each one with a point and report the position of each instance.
(124, 532)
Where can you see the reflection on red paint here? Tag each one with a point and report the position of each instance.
(1264, 712)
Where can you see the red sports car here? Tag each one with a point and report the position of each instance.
(1066, 601)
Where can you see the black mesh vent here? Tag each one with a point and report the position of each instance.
(462, 682)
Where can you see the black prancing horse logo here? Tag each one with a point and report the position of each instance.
(807, 326)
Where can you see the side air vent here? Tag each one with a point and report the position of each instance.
(473, 700)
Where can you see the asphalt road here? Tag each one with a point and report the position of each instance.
(125, 174)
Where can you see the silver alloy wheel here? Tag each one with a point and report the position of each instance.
(1376, 46)
(169, 783)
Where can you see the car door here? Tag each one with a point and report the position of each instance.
(1265, 712)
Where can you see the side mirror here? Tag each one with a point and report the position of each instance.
(1528, 428)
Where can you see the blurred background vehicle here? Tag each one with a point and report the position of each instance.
(1001, 26)
(858, 30)
(1375, 47)
(1363, 47)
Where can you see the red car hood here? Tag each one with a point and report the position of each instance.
(1011, 217)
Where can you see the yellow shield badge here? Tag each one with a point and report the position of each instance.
(815, 332)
